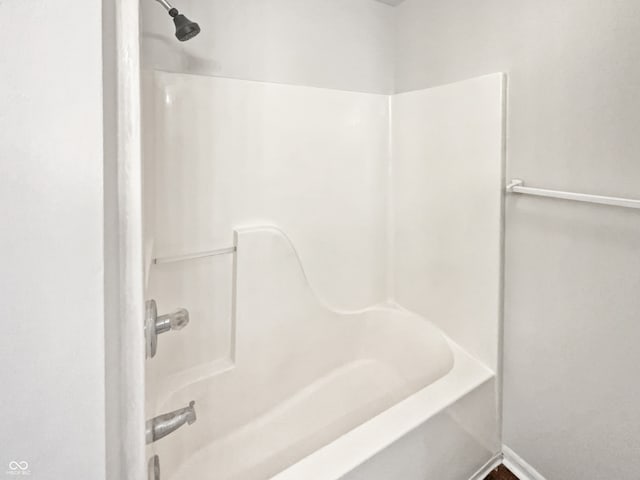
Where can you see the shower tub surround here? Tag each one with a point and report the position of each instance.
(355, 333)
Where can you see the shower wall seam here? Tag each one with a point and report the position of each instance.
(390, 216)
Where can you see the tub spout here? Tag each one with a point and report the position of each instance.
(162, 425)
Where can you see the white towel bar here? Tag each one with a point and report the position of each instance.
(517, 186)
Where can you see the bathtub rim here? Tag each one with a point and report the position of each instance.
(348, 452)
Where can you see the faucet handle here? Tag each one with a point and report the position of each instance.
(175, 320)
(155, 325)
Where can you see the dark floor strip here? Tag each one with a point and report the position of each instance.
(501, 473)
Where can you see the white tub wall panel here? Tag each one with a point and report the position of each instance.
(447, 209)
(324, 43)
(452, 445)
(244, 161)
(312, 161)
(148, 102)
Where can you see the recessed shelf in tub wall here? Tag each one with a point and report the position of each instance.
(202, 282)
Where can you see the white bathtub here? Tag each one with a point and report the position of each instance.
(311, 393)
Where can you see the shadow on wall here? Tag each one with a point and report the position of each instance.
(175, 57)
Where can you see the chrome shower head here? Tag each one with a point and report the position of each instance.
(185, 28)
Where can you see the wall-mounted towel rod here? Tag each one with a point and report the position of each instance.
(517, 186)
(194, 256)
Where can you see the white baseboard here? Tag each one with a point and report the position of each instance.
(518, 466)
(488, 467)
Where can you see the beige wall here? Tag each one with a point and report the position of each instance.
(341, 44)
(572, 317)
(52, 398)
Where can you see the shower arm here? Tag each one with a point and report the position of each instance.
(165, 4)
